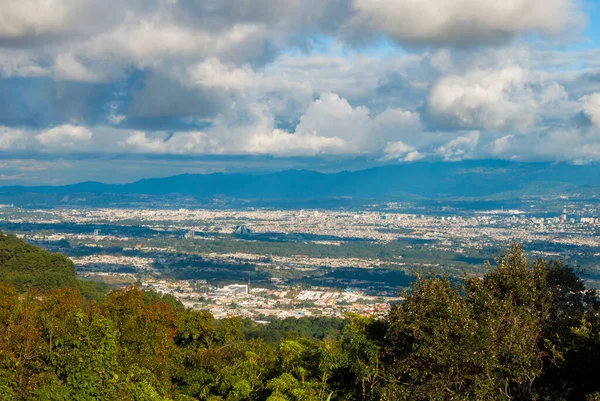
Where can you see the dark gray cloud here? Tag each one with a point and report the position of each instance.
(40, 102)
(145, 100)
(156, 95)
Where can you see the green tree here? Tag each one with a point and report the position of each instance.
(28, 266)
(146, 332)
(360, 376)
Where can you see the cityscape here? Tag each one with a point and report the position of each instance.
(257, 263)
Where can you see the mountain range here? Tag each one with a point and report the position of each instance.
(421, 180)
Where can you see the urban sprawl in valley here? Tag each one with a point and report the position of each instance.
(292, 263)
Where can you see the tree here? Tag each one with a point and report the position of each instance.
(360, 375)
(523, 331)
(146, 332)
(27, 266)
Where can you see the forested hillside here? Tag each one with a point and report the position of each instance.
(526, 331)
(27, 266)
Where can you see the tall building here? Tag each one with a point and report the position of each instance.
(242, 230)
(231, 290)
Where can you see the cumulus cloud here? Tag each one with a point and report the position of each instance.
(333, 116)
(213, 73)
(571, 144)
(330, 125)
(502, 145)
(14, 63)
(64, 136)
(483, 99)
(465, 22)
(270, 141)
(460, 147)
(26, 22)
(58, 138)
(591, 108)
(164, 32)
(254, 134)
(401, 151)
(279, 142)
(553, 93)
(158, 40)
(384, 79)
(132, 25)
(180, 143)
(11, 138)
(67, 67)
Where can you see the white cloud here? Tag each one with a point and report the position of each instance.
(401, 151)
(554, 93)
(330, 125)
(178, 143)
(330, 115)
(67, 67)
(213, 73)
(28, 21)
(291, 78)
(259, 135)
(275, 142)
(333, 116)
(255, 135)
(466, 22)
(460, 147)
(156, 40)
(413, 156)
(591, 108)
(569, 144)
(502, 145)
(456, 22)
(31, 17)
(483, 99)
(11, 138)
(20, 64)
(64, 136)
(113, 115)
(282, 143)
(113, 35)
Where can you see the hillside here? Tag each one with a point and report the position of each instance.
(27, 266)
(525, 331)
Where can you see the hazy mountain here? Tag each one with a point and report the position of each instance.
(481, 178)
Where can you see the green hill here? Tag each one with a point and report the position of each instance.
(525, 331)
(27, 266)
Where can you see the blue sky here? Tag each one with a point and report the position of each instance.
(593, 29)
(121, 90)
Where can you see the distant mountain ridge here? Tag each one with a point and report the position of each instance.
(473, 178)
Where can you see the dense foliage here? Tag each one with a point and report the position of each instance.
(27, 266)
(273, 330)
(525, 331)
